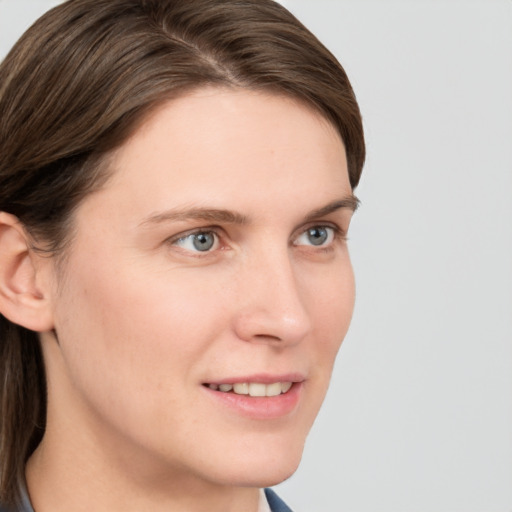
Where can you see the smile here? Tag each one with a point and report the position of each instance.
(255, 389)
(261, 397)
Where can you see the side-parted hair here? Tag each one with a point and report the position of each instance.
(79, 82)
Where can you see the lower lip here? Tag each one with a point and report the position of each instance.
(260, 408)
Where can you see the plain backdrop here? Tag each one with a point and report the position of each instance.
(419, 414)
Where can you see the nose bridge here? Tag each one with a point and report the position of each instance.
(272, 303)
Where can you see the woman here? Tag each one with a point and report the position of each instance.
(176, 186)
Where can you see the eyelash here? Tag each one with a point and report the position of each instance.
(338, 235)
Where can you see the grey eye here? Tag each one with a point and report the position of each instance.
(201, 241)
(316, 236)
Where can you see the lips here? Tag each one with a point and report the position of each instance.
(254, 389)
(258, 397)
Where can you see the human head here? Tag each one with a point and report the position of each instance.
(82, 80)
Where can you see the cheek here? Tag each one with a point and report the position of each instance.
(332, 305)
(132, 344)
(148, 321)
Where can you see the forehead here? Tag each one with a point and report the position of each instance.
(233, 148)
(208, 121)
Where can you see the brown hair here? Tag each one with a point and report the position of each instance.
(80, 81)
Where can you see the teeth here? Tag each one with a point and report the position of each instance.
(241, 388)
(253, 388)
(275, 389)
(256, 389)
(285, 386)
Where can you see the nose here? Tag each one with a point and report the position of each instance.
(271, 302)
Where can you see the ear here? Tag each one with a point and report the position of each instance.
(23, 297)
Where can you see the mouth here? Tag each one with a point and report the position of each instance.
(258, 398)
(253, 389)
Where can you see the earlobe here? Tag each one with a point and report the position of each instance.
(22, 300)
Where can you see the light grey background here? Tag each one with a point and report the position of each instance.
(419, 415)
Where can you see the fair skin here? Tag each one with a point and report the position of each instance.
(151, 317)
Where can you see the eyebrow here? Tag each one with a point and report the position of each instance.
(231, 217)
(199, 213)
(349, 203)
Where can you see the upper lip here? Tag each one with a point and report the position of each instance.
(262, 378)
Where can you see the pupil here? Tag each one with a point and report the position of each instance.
(317, 236)
(204, 241)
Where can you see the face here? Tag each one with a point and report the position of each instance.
(210, 270)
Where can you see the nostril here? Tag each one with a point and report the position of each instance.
(267, 337)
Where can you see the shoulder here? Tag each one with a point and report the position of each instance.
(275, 502)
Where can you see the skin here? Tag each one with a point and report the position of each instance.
(143, 320)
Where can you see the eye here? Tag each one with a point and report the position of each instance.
(200, 241)
(316, 236)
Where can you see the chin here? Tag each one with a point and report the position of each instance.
(267, 477)
(264, 468)
(275, 477)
